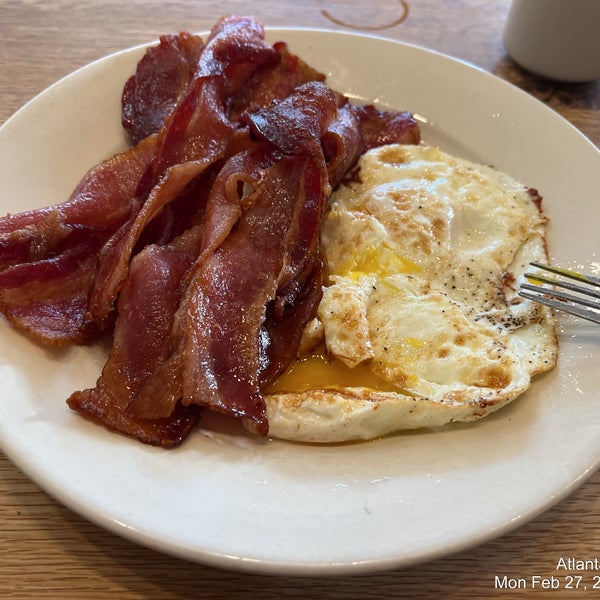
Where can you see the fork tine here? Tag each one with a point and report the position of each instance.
(563, 284)
(563, 301)
(561, 306)
(561, 295)
(568, 273)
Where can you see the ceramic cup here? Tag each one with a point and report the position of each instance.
(557, 39)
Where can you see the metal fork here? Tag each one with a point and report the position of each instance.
(575, 302)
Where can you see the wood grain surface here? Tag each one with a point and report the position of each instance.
(47, 551)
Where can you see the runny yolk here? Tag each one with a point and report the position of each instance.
(380, 260)
(317, 372)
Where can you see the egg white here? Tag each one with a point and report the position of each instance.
(425, 251)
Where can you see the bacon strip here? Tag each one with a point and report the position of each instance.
(161, 80)
(277, 83)
(102, 201)
(147, 307)
(380, 127)
(226, 305)
(38, 248)
(221, 354)
(217, 215)
(195, 136)
(49, 297)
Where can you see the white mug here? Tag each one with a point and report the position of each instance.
(557, 39)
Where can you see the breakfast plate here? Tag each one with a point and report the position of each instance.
(228, 499)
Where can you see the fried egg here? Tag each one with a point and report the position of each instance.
(420, 324)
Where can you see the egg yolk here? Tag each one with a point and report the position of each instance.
(318, 372)
(381, 260)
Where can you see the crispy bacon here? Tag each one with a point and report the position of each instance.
(160, 380)
(380, 127)
(195, 135)
(111, 199)
(269, 85)
(220, 356)
(200, 243)
(40, 247)
(221, 351)
(296, 126)
(226, 305)
(101, 202)
(48, 298)
(147, 306)
(285, 323)
(342, 144)
(161, 80)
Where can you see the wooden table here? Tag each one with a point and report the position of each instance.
(46, 551)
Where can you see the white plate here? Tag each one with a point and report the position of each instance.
(227, 499)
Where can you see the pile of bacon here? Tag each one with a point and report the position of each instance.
(198, 247)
